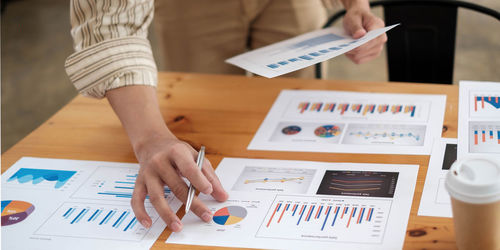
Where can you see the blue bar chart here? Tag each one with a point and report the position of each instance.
(314, 218)
(110, 183)
(484, 137)
(95, 221)
(310, 43)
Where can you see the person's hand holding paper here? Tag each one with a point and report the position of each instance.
(359, 20)
(315, 47)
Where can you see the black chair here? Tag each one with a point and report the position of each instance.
(422, 48)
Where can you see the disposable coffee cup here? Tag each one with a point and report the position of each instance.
(474, 188)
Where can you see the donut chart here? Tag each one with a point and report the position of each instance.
(291, 130)
(15, 211)
(327, 131)
(229, 215)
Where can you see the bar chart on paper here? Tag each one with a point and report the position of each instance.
(484, 137)
(485, 104)
(99, 221)
(317, 107)
(326, 219)
(110, 183)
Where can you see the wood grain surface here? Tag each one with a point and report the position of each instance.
(223, 113)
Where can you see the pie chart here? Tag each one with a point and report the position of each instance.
(327, 131)
(15, 211)
(229, 215)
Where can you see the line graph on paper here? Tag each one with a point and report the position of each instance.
(323, 108)
(330, 219)
(358, 183)
(283, 179)
(385, 134)
(292, 180)
(484, 104)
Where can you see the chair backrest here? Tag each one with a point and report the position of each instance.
(422, 49)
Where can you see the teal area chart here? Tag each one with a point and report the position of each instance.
(36, 176)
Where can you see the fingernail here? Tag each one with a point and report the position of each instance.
(176, 226)
(145, 223)
(206, 216)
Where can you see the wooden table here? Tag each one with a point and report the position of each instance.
(223, 113)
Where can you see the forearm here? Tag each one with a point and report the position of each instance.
(138, 110)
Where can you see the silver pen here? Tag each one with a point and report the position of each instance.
(191, 191)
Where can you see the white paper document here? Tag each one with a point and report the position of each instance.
(479, 119)
(435, 200)
(351, 122)
(301, 51)
(277, 204)
(67, 204)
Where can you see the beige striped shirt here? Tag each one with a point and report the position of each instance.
(112, 49)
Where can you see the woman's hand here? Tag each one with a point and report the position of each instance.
(163, 158)
(163, 162)
(358, 20)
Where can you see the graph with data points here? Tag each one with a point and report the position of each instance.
(60, 203)
(330, 219)
(111, 183)
(484, 137)
(358, 183)
(269, 179)
(347, 206)
(283, 179)
(351, 122)
(41, 178)
(386, 134)
(86, 220)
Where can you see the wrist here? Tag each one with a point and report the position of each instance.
(138, 110)
(139, 142)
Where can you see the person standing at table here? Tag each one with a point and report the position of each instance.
(113, 59)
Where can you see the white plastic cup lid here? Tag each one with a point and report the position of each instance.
(474, 180)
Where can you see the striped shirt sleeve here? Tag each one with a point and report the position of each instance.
(112, 49)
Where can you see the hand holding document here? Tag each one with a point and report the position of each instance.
(301, 51)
